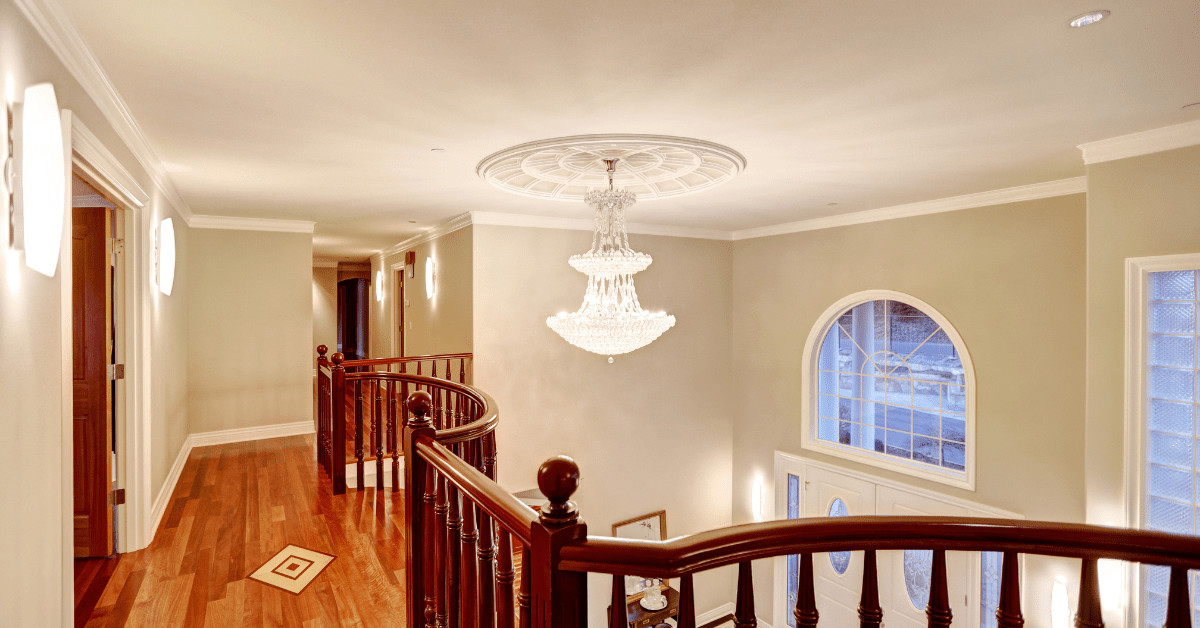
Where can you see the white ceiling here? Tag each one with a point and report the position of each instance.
(327, 111)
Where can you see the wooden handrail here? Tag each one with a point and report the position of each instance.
(508, 511)
(736, 544)
(488, 420)
(407, 358)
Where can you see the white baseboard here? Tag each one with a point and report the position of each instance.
(720, 611)
(263, 432)
(369, 474)
(220, 437)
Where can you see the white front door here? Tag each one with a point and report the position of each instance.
(837, 575)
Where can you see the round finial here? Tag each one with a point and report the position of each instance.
(558, 479)
(337, 358)
(420, 403)
(321, 349)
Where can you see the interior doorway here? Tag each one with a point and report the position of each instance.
(401, 302)
(95, 299)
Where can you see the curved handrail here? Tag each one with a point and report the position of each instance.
(489, 416)
(407, 358)
(736, 544)
(499, 504)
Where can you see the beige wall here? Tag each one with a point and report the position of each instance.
(250, 332)
(35, 529)
(1137, 207)
(324, 304)
(441, 324)
(1010, 278)
(652, 430)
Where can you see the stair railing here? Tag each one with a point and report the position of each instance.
(457, 577)
(360, 404)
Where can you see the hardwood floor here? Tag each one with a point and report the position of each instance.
(235, 507)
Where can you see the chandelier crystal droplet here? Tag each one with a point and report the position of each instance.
(610, 321)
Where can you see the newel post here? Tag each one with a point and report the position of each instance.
(559, 598)
(337, 470)
(322, 416)
(418, 513)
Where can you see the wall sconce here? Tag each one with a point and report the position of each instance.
(1112, 584)
(757, 498)
(36, 168)
(430, 288)
(1060, 613)
(379, 286)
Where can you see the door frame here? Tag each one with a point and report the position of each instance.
(1137, 285)
(398, 269)
(91, 161)
(786, 463)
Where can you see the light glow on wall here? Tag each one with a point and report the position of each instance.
(1060, 613)
(430, 288)
(43, 178)
(379, 286)
(1112, 583)
(166, 256)
(756, 497)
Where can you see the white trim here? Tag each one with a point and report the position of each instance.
(242, 434)
(1137, 275)
(168, 488)
(808, 440)
(1144, 143)
(588, 224)
(1063, 187)
(251, 224)
(55, 27)
(449, 226)
(94, 158)
(66, 351)
(725, 609)
(369, 474)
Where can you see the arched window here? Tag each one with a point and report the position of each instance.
(888, 382)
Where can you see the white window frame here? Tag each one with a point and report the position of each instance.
(1137, 285)
(808, 398)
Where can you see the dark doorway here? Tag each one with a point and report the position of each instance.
(352, 318)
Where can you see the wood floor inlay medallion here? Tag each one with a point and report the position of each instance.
(292, 569)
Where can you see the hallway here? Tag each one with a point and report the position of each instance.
(235, 507)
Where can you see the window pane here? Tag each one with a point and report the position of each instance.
(1173, 351)
(839, 560)
(918, 567)
(989, 587)
(1172, 384)
(1173, 286)
(1173, 318)
(1167, 416)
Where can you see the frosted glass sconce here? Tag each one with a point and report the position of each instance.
(36, 167)
(757, 498)
(164, 256)
(429, 278)
(379, 286)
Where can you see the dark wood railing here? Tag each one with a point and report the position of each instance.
(461, 528)
(360, 405)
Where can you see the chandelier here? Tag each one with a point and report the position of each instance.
(610, 321)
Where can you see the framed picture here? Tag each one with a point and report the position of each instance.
(651, 527)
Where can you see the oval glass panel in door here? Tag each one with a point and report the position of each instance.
(918, 567)
(839, 560)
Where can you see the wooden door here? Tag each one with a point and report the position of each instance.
(837, 575)
(91, 429)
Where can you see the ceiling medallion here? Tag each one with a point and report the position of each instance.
(652, 166)
(610, 321)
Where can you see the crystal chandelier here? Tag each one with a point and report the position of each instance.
(610, 321)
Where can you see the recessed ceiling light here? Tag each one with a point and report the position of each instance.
(437, 150)
(833, 204)
(412, 222)
(1089, 18)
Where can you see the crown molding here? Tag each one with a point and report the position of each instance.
(1063, 187)
(1144, 143)
(588, 224)
(324, 263)
(60, 34)
(103, 167)
(201, 221)
(454, 224)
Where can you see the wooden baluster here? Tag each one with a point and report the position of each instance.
(1179, 607)
(524, 596)
(376, 437)
(487, 570)
(472, 604)
(338, 432)
(395, 438)
(1089, 615)
(938, 609)
(505, 575)
(418, 367)
(462, 370)
(806, 596)
(870, 615)
(489, 455)
(618, 616)
(358, 432)
(743, 613)
(419, 502)
(440, 511)
(1008, 613)
(687, 603)
(453, 551)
